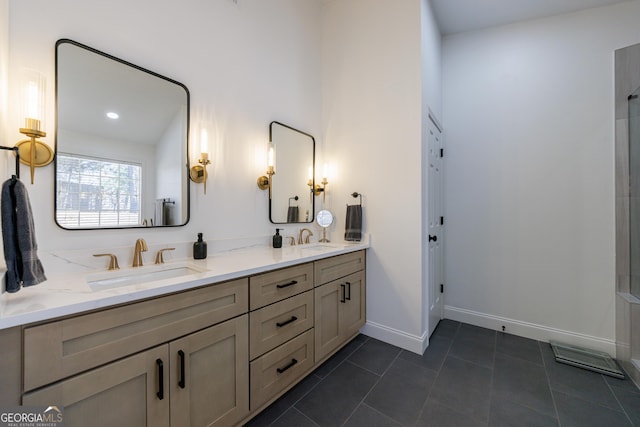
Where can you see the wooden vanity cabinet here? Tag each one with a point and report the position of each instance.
(340, 303)
(200, 380)
(211, 356)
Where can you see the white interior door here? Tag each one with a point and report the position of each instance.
(435, 226)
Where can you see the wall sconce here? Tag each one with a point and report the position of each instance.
(264, 182)
(34, 152)
(319, 188)
(198, 173)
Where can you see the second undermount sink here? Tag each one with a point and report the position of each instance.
(135, 276)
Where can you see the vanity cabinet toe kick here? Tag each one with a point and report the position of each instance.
(215, 355)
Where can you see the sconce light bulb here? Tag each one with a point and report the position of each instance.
(204, 141)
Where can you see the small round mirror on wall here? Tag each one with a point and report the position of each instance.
(324, 219)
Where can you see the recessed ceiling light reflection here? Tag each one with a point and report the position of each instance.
(112, 115)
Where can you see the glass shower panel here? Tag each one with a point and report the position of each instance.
(634, 191)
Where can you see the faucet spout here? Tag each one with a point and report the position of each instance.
(141, 246)
(306, 240)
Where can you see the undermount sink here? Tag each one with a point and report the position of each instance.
(317, 247)
(136, 276)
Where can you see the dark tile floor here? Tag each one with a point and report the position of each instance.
(469, 376)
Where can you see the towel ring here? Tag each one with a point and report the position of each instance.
(356, 194)
(16, 150)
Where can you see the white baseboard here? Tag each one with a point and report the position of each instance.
(414, 343)
(529, 330)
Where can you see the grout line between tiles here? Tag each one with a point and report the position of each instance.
(372, 387)
(546, 373)
(615, 396)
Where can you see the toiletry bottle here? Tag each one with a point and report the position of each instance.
(199, 248)
(277, 239)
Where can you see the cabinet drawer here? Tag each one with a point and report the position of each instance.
(272, 325)
(339, 266)
(274, 371)
(59, 349)
(267, 288)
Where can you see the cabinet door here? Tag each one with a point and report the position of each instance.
(210, 375)
(354, 314)
(327, 300)
(123, 393)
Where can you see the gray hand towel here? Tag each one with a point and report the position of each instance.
(292, 214)
(19, 238)
(353, 224)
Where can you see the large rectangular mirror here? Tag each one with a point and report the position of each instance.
(121, 143)
(292, 200)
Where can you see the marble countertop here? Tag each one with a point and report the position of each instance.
(66, 290)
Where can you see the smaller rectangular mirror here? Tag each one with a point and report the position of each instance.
(121, 143)
(292, 200)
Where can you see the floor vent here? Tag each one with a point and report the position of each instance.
(592, 360)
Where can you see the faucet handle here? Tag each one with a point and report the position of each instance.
(159, 257)
(292, 240)
(113, 261)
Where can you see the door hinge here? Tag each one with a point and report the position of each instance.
(442, 152)
(441, 288)
(441, 220)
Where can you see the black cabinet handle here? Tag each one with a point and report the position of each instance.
(348, 289)
(286, 285)
(433, 238)
(181, 383)
(286, 322)
(293, 362)
(343, 293)
(160, 392)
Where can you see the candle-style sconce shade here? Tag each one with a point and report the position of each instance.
(264, 181)
(34, 152)
(198, 173)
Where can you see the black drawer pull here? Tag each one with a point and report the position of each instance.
(160, 392)
(286, 285)
(181, 383)
(349, 290)
(293, 362)
(344, 293)
(286, 322)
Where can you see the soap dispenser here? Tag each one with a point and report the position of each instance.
(199, 248)
(277, 239)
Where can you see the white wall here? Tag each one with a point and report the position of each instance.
(529, 180)
(4, 78)
(245, 65)
(372, 98)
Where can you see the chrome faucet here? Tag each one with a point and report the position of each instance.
(306, 240)
(141, 246)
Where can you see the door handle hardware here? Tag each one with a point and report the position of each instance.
(348, 298)
(291, 283)
(343, 299)
(286, 322)
(160, 392)
(293, 362)
(181, 383)
(433, 238)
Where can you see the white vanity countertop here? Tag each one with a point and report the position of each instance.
(66, 290)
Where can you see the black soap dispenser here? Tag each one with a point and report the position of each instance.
(199, 248)
(277, 239)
